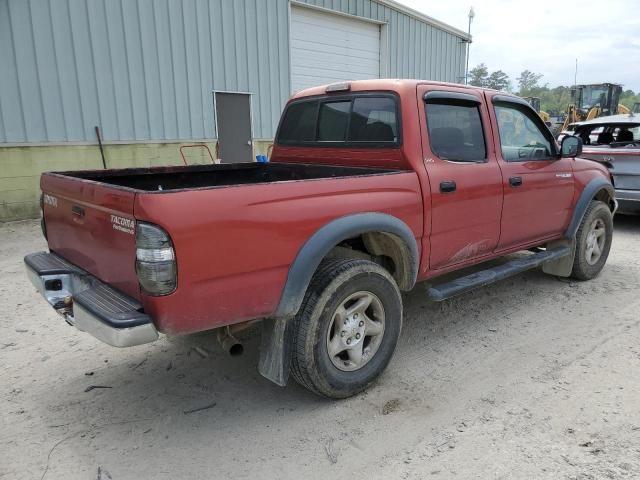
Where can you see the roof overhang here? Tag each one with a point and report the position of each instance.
(424, 18)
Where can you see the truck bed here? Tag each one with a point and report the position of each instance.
(208, 176)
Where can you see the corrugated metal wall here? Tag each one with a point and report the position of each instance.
(416, 49)
(145, 69)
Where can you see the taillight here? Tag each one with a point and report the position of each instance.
(155, 260)
(43, 226)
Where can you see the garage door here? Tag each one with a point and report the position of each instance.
(327, 48)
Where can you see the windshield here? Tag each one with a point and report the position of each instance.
(593, 96)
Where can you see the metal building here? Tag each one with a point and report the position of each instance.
(155, 74)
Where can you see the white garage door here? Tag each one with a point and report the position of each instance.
(328, 48)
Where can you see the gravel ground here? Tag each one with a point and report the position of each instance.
(533, 377)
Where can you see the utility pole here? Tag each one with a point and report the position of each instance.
(466, 72)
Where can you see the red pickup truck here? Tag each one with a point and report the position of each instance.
(372, 187)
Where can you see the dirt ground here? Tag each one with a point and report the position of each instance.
(532, 377)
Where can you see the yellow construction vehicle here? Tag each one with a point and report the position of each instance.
(535, 103)
(593, 101)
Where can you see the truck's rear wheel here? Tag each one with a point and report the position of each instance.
(593, 241)
(347, 327)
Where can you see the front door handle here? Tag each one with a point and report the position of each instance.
(515, 181)
(448, 186)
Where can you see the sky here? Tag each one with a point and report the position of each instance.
(546, 36)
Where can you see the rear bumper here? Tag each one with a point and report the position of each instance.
(628, 201)
(89, 304)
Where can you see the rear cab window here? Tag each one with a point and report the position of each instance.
(366, 120)
(333, 120)
(300, 124)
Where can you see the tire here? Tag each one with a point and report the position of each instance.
(593, 241)
(322, 328)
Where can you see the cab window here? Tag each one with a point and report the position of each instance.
(521, 138)
(455, 131)
(299, 124)
(373, 119)
(358, 120)
(333, 120)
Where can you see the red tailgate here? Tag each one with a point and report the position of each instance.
(92, 226)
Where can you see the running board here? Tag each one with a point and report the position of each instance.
(485, 277)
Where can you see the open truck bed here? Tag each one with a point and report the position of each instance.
(234, 228)
(210, 176)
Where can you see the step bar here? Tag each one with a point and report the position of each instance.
(475, 280)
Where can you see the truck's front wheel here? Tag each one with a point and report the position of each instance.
(593, 241)
(347, 328)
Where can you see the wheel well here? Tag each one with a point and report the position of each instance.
(385, 249)
(604, 196)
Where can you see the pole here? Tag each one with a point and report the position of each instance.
(575, 75)
(466, 71)
(104, 162)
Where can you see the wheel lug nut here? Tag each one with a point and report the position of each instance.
(345, 322)
(348, 341)
(361, 323)
(343, 333)
(355, 315)
(357, 336)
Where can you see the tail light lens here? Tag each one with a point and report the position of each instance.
(155, 260)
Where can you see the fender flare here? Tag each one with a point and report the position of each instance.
(590, 191)
(325, 239)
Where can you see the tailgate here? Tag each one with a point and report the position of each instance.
(92, 226)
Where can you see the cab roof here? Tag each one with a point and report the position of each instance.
(621, 119)
(389, 84)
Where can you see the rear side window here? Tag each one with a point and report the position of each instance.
(455, 132)
(365, 120)
(299, 123)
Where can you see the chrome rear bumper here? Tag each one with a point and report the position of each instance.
(89, 304)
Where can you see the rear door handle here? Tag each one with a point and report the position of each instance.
(515, 181)
(448, 186)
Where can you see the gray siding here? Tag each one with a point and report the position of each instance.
(145, 69)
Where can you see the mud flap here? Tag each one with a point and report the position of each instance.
(275, 350)
(563, 266)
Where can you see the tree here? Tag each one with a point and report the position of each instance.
(498, 80)
(479, 75)
(629, 98)
(528, 81)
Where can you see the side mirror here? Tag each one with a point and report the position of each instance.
(571, 147)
